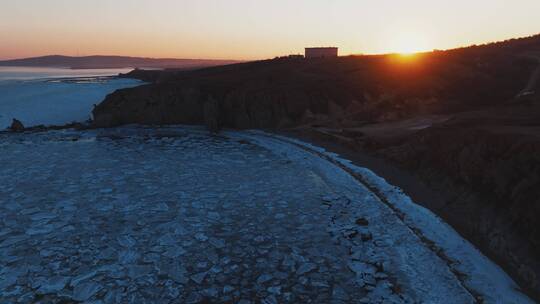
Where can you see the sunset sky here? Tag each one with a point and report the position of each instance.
(255, 29)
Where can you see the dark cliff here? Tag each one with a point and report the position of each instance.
(286, 92)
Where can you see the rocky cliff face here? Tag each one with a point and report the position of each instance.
(492, 181)
(150, 104)
(241, 107)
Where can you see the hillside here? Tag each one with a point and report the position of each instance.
(287, 92)
(95, 62)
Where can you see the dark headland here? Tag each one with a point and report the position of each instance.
(465, 123)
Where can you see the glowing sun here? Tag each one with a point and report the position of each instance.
(410, 43)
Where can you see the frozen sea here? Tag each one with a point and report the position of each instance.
(54, 96)
(176, 215)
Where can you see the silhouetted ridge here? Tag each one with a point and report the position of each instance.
(89, 62)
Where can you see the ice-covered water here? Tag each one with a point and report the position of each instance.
(33, 73)
(174, 215)
(49, 96)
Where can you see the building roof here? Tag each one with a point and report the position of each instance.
(321, 48)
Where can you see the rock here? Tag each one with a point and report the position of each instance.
(362, 222)
(16, 126)
(350, 234)
(366, 236)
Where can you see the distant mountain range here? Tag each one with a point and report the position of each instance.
(112, 62)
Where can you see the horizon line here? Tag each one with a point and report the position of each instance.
(257, 59)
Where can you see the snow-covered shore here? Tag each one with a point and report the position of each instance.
(479, 276)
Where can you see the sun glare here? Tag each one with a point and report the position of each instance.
(409, 44)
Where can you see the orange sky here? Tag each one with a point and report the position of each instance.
(253, 29)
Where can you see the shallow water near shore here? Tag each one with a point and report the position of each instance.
(53, 96)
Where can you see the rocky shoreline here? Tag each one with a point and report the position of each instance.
(18, 127)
